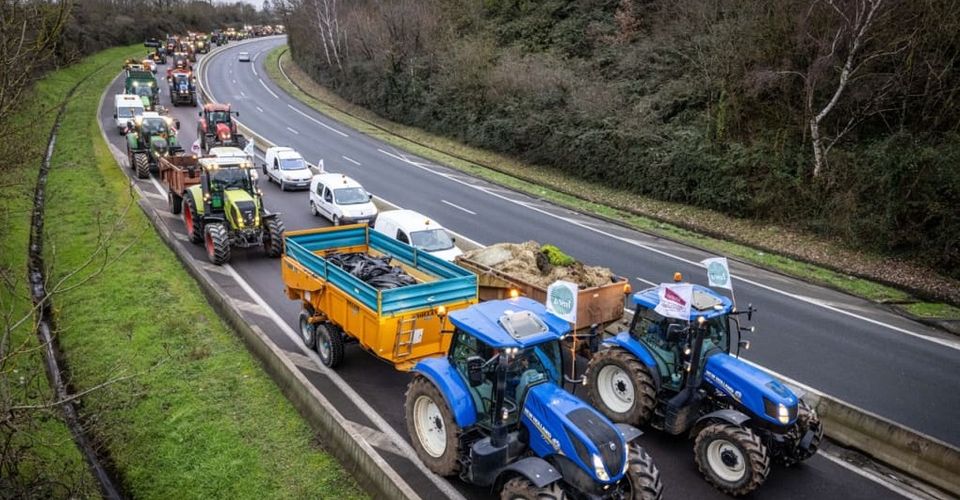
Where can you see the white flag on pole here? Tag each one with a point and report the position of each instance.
(249, 149)
(562, 300)
(675, 300)
(718, 272)
(195, 148)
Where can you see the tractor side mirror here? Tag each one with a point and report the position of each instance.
(200, 114)
(237, 114)
(750, 310)
(475, 371)
(745, 345)
(114, 116)
(130, 125)
(176, 123)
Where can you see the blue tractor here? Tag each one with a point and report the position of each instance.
(680, 377)
(494, 412)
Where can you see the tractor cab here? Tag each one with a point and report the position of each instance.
(217, 127)
(494, 411)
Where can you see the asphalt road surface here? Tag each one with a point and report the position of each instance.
(841, 345)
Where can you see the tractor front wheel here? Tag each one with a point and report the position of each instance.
(433, 431)
(273, 243)
(329, 343)
(217, 243)
(522, 488)
(142, 165)
(174, 202)
(308, 331)
(731, 458)
(191, 222)
(643, 474)
(620, 386)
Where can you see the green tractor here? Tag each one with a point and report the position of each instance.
(226, 210)
(149, 137)
(142, 83)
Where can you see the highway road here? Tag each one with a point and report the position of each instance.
(841, 345)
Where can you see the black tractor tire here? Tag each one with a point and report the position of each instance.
(749, 462)
(273, 239)
(445, 462)
(141, 163)
(308, 331)
(217, 243)
(643, 474)
(521, 487)
(807, 419)
(626, 369)
(174, 202)
(192, 223)
(329, 344)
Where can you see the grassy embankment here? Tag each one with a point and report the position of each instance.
(536, 181)
(199, 418)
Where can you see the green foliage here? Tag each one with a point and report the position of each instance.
(556, 257)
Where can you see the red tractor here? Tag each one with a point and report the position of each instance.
(217, 128)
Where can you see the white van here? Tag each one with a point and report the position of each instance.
(126, 107)
(341, 199)
(287, 168)
(418, 230)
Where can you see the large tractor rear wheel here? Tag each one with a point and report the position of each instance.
(217, 243)
(174, 202)
(643, 474)
(731, 458)
(142, 165)
(273, 239)
(433, 431)
(329, 342)
(191, 220)
(522, 488)
(620, 386)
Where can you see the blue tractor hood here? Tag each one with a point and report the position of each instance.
(559, 423)
(754, 389)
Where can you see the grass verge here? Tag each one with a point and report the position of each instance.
(541, 182)
(199, 418)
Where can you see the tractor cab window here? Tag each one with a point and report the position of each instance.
(222, 179)
(462, 348)
(532, 366)
(154, 126)
(215, 117)
(143, 90)
(668, 338)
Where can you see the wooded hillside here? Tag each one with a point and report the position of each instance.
(835, 116)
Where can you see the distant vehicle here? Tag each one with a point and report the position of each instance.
(286, 167)
(150, 65)
(341, 199)
(126, 107)
(417, 230)
(228, 152)
(244, 57)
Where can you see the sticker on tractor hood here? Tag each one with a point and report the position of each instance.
(543, 430)
(723, 385)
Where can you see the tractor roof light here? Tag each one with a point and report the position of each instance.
(441, 311)
(677, 277)
(627, 289)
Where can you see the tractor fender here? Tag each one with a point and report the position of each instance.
(624, 341)
(537, 470)
(454, 389)
(269, 215)
(194, 193)
(628, 432)
(732, 417)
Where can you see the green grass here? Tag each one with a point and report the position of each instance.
(200, 418)
(931, 310)
(541, 183)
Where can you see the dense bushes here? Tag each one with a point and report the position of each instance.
(705, 103)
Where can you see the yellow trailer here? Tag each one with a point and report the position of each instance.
(399, 325)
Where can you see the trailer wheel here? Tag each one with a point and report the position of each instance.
(807, 420)
(433, 431)
(142, 164)
(174, 202)
(273, 243)
(521, 488)
(643, 474)
(193, 225)
(329, 342)
(217, 243)
(731, 458)
(620, 386)
(308, 332)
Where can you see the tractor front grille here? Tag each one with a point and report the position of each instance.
(603, 435)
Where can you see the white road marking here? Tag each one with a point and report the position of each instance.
(348, 391)
(254, 68)
(458, 207)
(647, 281)
(259, 109)
(946, 343)
(234, 81)
(872, 477)
(292, 130)
(275, 96)
(318, 122)
(351, 160)
(243, 93)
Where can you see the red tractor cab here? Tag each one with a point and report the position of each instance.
(217, 127)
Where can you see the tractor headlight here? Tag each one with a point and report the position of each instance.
(783, 415)
(599, 469)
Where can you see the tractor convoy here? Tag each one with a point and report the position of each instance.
(503, 393)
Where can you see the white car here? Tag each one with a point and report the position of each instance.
(244, 57)
(341, 199)
(287, 168)
(126, 107)
(418, 230)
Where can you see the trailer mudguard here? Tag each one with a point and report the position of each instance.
(732, 417)
(623, 340)
(535, 469)
(454, 389)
